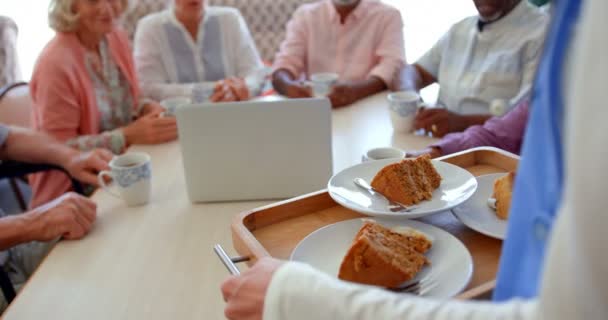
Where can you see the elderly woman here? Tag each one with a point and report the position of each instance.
(85, 90)
(193, 44)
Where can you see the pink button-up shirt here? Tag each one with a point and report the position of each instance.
(369, 43)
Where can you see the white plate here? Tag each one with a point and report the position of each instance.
(477, 215)
(451, 263)
(457, 186)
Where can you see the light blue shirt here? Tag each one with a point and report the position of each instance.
(539, 183)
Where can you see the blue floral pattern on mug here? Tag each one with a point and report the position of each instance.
(130, 176)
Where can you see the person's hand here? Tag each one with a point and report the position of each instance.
(431, 151)
(151, 108)
(438, 121)
(70, 216)
(245, 294)
(342, 94)
(230, 89)
(151, 129)
(298, 90)
(84, 166)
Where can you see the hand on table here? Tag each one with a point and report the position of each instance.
(84, 166)
(151, 129)
(438, 121)
(432, 151)
(297, 90)
(230, 89)
(245, 294)
(70, 216)
(151, 108)
(343, 94)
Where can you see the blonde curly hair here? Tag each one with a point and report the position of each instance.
(63, 19)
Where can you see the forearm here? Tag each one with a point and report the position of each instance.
(467, 121)
(115, 141)
(299, 292)
(35, 147)
(281, 80)
(368, 87)
(15, 230)
(160, 91)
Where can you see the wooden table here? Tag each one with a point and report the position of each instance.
(157, 261)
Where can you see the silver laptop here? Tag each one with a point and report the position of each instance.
(255, 150)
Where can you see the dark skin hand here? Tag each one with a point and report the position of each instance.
(342, 94)
(442, 121)
(284, 83)
(438, 121)
(346, 93)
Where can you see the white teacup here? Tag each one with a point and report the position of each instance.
(403, 108)
(383, 153)
(172, 104)
(322, 83)
(131, 174)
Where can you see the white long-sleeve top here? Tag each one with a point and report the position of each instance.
(575, 280)
(170, 62)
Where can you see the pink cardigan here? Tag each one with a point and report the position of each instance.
(65, 105)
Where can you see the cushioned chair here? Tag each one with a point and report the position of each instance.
(267, 19)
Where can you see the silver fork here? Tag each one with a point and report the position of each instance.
(419, 288)
(392, 205)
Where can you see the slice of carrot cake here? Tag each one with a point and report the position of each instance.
(409, 181)
(384, 257)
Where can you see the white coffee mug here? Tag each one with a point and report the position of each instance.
(383, 153)
(172, 104)
(131, 174)
(322, 83)
(403, 108)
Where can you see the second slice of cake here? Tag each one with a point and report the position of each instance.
(384, 257)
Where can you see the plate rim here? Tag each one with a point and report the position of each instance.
(475, 228)
(390, 215)
(469, 256)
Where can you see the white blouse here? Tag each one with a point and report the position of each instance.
(475, 68)
(575, 280)
(169, 62)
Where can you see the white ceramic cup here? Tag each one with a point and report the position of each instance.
(322, 83)
(383, 153)
(172, 104)
(131, 174)
(403, 108)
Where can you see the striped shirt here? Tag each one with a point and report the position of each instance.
(475, 68)
(170, 62)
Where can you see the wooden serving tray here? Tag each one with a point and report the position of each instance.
(276, 229)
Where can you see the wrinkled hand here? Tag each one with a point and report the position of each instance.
(84, 166)
(151, 129)
(433, 152)
(70, 216)
(438, 121)
(230, 89)
(152, 108)
(245, 294)
(343, 94)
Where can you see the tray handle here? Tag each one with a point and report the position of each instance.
(229, 263)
